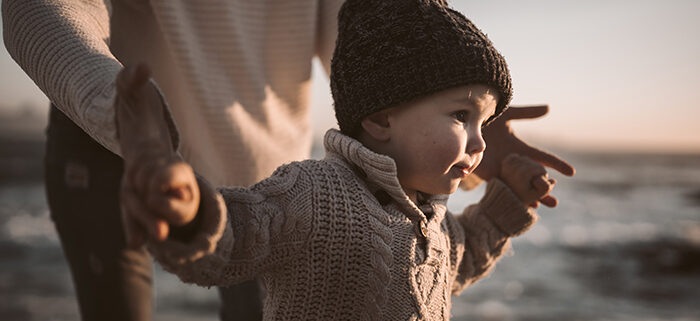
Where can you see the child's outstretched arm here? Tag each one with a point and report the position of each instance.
(204, 235)
(159, 190)
(506, 210)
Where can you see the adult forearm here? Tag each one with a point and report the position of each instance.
(62, 46)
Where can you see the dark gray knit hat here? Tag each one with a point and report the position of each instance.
(390, 52)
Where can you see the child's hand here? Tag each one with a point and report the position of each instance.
(528, 180)
(158, 188)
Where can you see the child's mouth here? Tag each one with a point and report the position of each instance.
(461, 171)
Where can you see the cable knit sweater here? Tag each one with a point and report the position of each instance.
(236, 73)
(338, 239)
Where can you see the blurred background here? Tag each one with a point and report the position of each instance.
(622, 79)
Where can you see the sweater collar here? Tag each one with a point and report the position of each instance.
(379, 171)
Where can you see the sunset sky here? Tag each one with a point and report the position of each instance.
(618, 75)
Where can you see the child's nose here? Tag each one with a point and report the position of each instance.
(476, 144)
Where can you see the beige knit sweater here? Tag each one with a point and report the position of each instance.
(338, 239)
(236, 73)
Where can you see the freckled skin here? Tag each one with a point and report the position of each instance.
(433, 136)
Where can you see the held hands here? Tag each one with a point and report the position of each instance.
(528, 180)
(158, 188)
(518, 164)
(501, 141)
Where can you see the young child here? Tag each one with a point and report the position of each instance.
(363, 234)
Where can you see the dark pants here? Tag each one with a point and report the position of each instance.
(111, 281)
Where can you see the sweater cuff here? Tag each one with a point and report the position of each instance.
(506, 210)
(211, 221)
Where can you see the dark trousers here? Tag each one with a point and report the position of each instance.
(112, 282)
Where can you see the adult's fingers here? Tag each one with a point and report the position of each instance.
(549, 160)
(132, 206)
(525, 112)
(142, 170)
(139, 114)
(549, 201)
(130, 82)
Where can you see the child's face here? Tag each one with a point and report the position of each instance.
(436, 141)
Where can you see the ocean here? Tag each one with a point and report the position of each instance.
(623, 244)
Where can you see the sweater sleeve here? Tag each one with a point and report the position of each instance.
(243, 232)
(63, 46)
(483, 231)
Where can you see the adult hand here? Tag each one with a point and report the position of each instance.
(158, 188)
(501, 141)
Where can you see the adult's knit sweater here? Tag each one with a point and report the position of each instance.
(235, 73)
(338, 239)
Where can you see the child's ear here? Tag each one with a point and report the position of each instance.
(377, 125)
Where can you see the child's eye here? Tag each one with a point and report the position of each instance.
(461, 115)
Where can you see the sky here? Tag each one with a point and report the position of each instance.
(618, 75)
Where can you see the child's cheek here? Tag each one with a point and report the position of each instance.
(447, 152)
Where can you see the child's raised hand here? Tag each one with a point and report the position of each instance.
(158, 188)
(528, 180)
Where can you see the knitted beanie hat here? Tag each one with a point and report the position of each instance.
(390, 52)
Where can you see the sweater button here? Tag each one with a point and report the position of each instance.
(423, 229)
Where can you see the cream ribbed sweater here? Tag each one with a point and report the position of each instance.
(338, 239)
(235, 73)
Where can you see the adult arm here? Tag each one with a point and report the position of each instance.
(63, 46)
